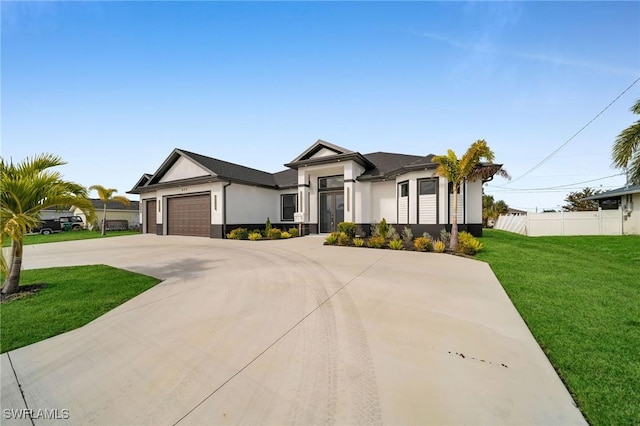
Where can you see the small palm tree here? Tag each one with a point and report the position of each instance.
(26, 189)
(468, 167)
(626, 150)
(106, 195)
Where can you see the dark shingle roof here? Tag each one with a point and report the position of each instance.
(224, 169)
(387, 162)
(112, 205)
(286, 178)
(616, 192)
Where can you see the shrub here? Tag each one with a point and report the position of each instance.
(332, 238)
(343, 239)
(445, 237)
(256, 231)
(380, 229)
(407, 235)
(358, 242)
(348, 228)
(439, 246)
(255, 236)
(427, 235)
(468, 244)
(293, 232)
(267, 228)
(274, 234)
(423, 244)
(392, 234)
(238, 234)
(360, 232)
(285, 235)
(396, 245)
(376, 242)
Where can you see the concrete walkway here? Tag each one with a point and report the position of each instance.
(288, 332)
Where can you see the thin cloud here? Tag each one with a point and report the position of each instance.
(555, 60)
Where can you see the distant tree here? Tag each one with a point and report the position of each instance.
(626, 150)
(468, 167)
(106, 195)
(576, 200)
(491, 209)
(26, 189)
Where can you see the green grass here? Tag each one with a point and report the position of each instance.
(73, 297)
(69, 236)
(580, 297)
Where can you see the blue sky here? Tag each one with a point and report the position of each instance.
(113, 87)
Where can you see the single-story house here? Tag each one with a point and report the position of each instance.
(191, 194)
(117, 214)
(626, 199)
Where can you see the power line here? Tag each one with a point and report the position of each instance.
(548, 157)
(503, 188)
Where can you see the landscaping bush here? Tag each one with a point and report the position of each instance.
(427, 235)
(343, 239)
(439, 247)
(332, 238)
(293, 232)
(392, 234)
(256, 231)
(238, 234)
(348, 228)
(267, 228)
(396, 245)
(376, 242)
(380, 229)
(255, 236)
(407, 235)
(360, 232)
(423, 244)
(274, 234)
(445, 237)
(358, 242)
(285, 235)
(468, 244)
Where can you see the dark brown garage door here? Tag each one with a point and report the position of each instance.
(151, 217)
(189, 215)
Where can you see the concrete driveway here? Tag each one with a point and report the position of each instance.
(288, 332)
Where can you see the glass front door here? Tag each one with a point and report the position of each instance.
(331, 210)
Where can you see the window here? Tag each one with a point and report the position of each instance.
(288, 202)
(404, 189)
(610, 203)
(427, 187)
(331, 182)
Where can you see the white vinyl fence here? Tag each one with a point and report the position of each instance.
(601, 222)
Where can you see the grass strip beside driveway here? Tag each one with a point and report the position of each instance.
(69, 236)
(580, 297)
(73, 297)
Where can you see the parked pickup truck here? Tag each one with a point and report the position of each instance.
(65, 223)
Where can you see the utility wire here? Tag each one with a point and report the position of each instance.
(548, 157)
(553, 187)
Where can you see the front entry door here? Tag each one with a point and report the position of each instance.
(331, 210)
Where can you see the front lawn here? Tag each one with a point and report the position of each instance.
(580, 297)
(69, 236)
(72, 297)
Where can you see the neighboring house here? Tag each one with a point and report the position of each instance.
(627, 199)
(516, 212)
(56, 213)
(191, 194)
(117, 213)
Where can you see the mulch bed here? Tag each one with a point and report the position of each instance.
(23, 291)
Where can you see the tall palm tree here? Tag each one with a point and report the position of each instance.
(106, 196)
(26, 189)
(626, 150)
(468, 167)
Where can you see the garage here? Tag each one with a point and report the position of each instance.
(190, 215)
(150, 219)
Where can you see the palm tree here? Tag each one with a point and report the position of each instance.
(626, 150)
(106, 195)
(27, 188)
(468, 167)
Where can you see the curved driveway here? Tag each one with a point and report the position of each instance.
(288, 332)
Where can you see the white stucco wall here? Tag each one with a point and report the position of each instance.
(252, 205)
(215, 188)
(474, 202)
(183, 168)
(383, 201)
(631, 221)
